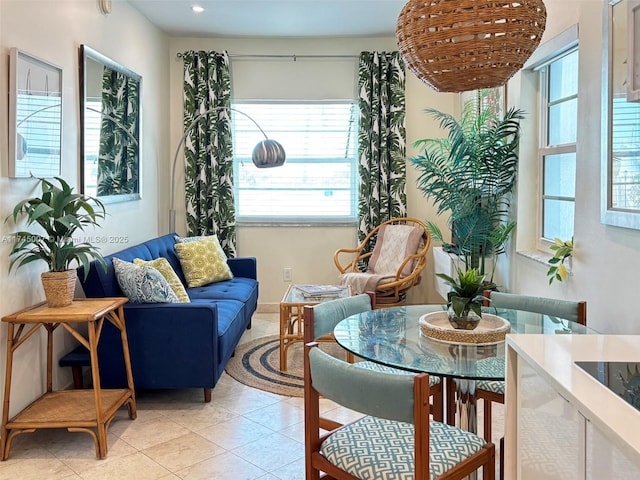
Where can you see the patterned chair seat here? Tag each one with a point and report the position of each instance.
(378, 449)
(433, 380)
(495, 386)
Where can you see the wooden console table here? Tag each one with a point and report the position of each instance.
(76, 410)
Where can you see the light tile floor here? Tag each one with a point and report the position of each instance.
(243, 434)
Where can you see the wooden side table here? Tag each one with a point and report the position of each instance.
(76, 410)
(291, 321)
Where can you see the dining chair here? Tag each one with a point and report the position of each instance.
(394, 439)
(492, 391)
(321, 319)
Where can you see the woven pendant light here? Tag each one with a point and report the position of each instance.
(461, 45)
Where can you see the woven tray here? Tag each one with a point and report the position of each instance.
(491, 329)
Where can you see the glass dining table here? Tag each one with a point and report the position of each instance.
(392, 337)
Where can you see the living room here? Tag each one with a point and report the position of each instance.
(54, 31)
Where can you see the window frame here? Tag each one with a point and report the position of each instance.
(544, 148)
(289, 221)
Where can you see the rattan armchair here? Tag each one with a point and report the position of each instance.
(387, 272)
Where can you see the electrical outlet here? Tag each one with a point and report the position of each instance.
(286, 274)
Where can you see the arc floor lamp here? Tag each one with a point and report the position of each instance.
(266, 154)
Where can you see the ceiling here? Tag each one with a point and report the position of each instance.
(273, 18)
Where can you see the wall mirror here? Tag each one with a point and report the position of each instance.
(35, 116)
(110, 97)
(621, 115)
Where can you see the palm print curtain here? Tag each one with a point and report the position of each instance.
(381, 138)
(119, 126)
(208, 148)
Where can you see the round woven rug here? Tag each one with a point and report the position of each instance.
(257, 364)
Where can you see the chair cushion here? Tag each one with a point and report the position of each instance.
(393, 244)
(378, 449)
(377, 367)
(495, 386)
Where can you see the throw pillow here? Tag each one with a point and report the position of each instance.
(164, 267)
(180, 239)
(203, 261)
(143, 284)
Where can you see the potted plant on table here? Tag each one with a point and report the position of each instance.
(60, 213)
(470, 175)
(466, 298)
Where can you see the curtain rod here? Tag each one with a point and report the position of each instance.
(293, 57)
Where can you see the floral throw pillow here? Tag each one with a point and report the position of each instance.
(203, 261)
(143, 284)
(164, 267)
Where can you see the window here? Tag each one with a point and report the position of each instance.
(558, 131)
(318, 182)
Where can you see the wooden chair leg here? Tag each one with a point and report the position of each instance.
(451, 401)
(487, 419)
(207, 395)
(502, 458)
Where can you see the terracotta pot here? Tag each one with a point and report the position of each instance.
(59, 287)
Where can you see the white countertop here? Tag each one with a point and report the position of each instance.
(553, 357)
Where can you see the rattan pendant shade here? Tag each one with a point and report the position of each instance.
(461, 45)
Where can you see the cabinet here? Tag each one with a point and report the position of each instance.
(560, 422)
(86, 410)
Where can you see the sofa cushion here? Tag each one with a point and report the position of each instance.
(203, 262)
(242, 289)
(164, 267)
(143, 284)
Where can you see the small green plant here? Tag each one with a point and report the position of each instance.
(60, 213)
(466, 292)
(562, 250)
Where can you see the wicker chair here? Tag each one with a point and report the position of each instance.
(396, 435)
(390, 271)
(321, 319)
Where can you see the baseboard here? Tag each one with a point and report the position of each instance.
(268, 308)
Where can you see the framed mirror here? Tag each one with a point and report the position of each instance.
(621, 115)
(110, 96)
(35, 116)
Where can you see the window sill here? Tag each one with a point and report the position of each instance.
(535, 255)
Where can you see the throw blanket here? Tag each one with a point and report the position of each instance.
(393, 245)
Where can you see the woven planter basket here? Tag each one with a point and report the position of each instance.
(462, 45)
(59, 287)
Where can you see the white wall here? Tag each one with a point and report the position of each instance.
(54, 32)
(606, 258)
(307, 250)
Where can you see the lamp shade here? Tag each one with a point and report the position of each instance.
(461, 45)
(268, 153)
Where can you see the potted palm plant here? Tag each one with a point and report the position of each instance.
(470, 175)
(60, 213)
(465, 298)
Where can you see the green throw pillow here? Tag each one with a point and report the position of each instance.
(164, 267)
(203, 261)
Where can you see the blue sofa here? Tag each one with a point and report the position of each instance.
(174, 345)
